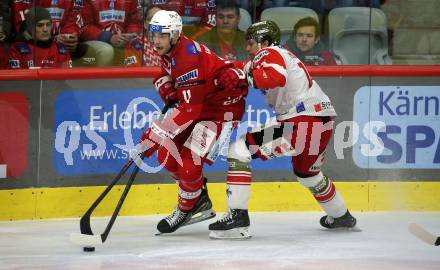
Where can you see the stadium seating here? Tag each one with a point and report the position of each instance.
(287, 17)
(358, 36)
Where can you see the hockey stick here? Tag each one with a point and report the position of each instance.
(423, 234)
(86, 237)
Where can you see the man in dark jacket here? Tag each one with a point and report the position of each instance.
(306, 45)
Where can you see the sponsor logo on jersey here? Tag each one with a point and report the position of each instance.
(325, 105)
(193, 74)
(300, 107)
(14, 63)
(260, 55)
(112, 15)
(130, 60)
(191, 49)
(56, 13)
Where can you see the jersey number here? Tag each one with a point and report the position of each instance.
(309, 78)
(186, 95)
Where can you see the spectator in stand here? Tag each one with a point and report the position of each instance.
(36, 47)
(140, 51)
(225, 39)
(114, 22)
(5, 31)
(67, 24)
(198, 16)
(306, 45)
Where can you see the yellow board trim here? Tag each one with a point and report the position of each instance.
(43, 203)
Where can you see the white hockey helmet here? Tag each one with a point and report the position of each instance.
(167, 22)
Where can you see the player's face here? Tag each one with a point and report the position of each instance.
(161, 42)
(252, 47)
(305, 38)
(227, 20)
(43, 30)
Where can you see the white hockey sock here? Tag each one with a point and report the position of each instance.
(238, 184)
(325, 194)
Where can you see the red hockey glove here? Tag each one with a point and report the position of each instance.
(148, 145)
(230, 78)
(165, 87)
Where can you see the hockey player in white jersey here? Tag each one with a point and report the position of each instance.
(303, 128)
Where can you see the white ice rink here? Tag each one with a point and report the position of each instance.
(280, 241)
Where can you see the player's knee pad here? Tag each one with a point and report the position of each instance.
(239, 151)
(319, 185)
(312, 182)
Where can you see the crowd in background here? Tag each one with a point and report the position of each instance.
(101, 33)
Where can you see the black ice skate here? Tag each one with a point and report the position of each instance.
(201, 211)
(347, 221)
(233, 225)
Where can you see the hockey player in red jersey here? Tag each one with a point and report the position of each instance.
(303, 128)
(37, 47)
(210, 95)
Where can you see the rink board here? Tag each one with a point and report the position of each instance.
(53, 122)
(43, 203)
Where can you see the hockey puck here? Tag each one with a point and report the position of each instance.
(88, 249)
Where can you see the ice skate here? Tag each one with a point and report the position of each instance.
(347, 221)
(233, 225)
(201, 211)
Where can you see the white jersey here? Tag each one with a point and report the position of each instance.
(288, 87)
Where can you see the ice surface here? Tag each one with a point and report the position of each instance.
(286, 240)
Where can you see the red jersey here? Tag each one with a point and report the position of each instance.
(3, 56)
(193, 12)
(65, 14)
(193, 68)
(26, 55)
(103, 18)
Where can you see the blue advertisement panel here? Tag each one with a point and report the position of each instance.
(95, 131)
(399, 127)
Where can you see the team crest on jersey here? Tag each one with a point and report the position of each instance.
(54, 2)
(260, 55)
(78, 3)
(23, 48)
(173, 62)
(211, 5)
(62, 49)
(193, 74)
(191, 49)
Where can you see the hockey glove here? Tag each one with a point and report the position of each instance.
(165, 87)
(230, 78)
(249, 77)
